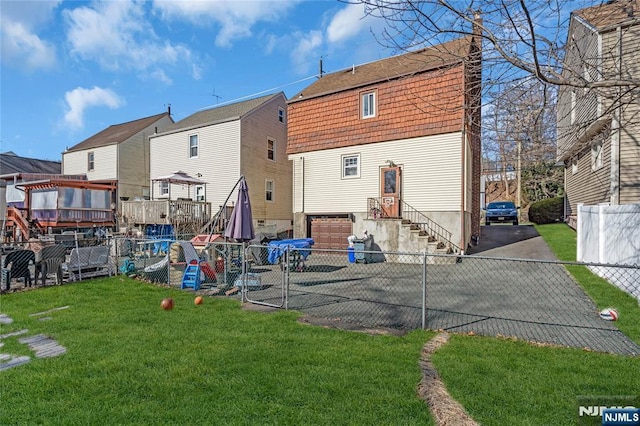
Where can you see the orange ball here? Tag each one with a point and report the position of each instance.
(167, 304)
(198, 300)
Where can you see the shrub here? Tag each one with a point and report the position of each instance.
(549, 210)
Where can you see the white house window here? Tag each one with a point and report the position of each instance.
(164, 188)
(369, 105)
(271, 149)
(193, 146)
(268, 187)
(91, 161)
(574, 166)
(200, 193)
(281, 115)
(596, 156)
(351, 166)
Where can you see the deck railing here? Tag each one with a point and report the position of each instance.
(165, 212)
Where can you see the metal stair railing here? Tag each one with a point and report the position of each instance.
(417, 219)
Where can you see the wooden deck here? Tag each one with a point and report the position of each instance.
(165, 212)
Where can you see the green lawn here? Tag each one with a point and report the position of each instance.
(130, 362)
(513, 382)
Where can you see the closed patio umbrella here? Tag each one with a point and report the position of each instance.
(240, 226)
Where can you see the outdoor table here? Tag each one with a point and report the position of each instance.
(298, 249)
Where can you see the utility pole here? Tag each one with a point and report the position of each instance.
(519, 177)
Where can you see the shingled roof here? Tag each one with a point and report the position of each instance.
(117, 133)
(611, 14)
(390, 68)
(11, 163)
(220, 114)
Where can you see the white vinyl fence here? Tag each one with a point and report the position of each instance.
(610, 235)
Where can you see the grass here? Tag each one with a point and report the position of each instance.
(501, 381)
(130, 362)
(562, 241)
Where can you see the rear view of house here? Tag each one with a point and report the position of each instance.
(120, 152)
(391, 147)
(214, 147)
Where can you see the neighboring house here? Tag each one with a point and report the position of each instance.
(216, 146)
(14, 170)
(379, 145)
(599, 131)
(120, 152)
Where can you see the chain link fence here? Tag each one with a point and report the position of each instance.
(532, 300)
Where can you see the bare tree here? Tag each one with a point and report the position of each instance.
(528, 62)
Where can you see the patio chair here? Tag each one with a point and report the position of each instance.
(16, 265)
(51, 260)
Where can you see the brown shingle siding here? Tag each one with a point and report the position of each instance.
(424, 104)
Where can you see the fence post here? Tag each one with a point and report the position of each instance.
(285, 278)
(424, 291)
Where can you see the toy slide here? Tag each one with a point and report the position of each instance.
(190, 254)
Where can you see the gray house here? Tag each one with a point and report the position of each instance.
(599, 130)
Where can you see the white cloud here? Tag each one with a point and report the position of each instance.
(235, 18)
(22, 47)
(306, 50)
(349, 23)
(80, 98)
(119, 36)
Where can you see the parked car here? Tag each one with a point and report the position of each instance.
(501, 211)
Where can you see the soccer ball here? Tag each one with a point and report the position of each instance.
(609, 314)
(167, 304)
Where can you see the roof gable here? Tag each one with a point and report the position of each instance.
(390, 68)
(625, 12)
(220, 114)
(117, 133)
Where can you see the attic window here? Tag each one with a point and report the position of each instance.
(281, 115)
(90, 161)
(368, 105)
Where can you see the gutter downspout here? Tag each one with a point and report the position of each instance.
(616, 129)
(463, 186)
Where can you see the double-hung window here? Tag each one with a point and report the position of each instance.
(351, 166)
(596, 156)
(193, 146)
(281, 115)
(164, 188)
(271, 149)
(368, 104)
(91, 164)
(268, 190)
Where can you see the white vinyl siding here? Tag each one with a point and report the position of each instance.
(431, 175)
(218, 160)
(105, 162)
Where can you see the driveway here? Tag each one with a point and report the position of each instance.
(512, 241)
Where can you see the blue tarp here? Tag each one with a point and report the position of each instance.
(160, 232)
(279, 247)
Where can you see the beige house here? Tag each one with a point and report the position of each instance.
(120, 152)
(391, 147)
(599, 130)
(216, 146)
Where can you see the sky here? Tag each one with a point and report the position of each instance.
(70, 69)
